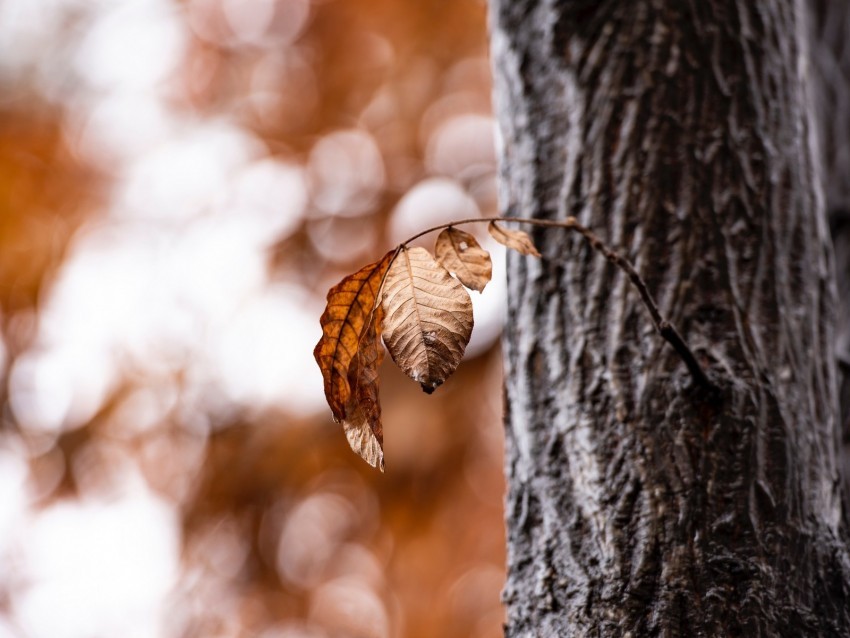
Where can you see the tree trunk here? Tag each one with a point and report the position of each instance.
(681, 131)
(830, 23)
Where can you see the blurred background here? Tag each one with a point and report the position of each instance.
(181, 181)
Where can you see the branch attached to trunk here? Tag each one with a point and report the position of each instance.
(409, 301)
(665, 329)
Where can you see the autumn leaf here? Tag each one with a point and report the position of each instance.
(351, 304)
(428, 318)
(362, 422)
(516, 239)
(460, 253)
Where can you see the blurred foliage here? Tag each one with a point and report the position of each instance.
(283, 531)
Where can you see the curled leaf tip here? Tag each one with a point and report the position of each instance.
(517, 240)
(459, 253)
(362, 425)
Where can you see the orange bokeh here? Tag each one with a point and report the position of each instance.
(180, 184)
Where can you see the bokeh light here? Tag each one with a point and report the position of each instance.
(181, 181)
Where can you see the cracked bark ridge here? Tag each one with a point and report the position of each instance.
(683, 132)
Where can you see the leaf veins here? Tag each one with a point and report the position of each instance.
(428, 318)
(516, 239)
(351, 304)
(460, 253)
(362, 423)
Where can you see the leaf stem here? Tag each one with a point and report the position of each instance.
(664, 328)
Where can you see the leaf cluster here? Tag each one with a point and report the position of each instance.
(414, 302)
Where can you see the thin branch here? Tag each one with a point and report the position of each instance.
(666, 329)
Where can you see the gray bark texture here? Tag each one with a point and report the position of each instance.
(830, 21)
(683, 132)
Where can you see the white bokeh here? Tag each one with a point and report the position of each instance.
(99, 567)
(133, 44)
(433, 201)
(13, 498)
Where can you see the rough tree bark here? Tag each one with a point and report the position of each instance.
(681, 131)
(830, 22)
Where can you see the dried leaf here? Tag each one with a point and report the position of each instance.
(515, 239)
(428, 318)
(362, 423)
(461, 254)
(351, 304)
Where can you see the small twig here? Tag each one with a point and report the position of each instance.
(666, 329)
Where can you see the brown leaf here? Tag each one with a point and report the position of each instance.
(362, 423)
(428, 318)
(460, 253)
(516, 239)
(351, 304)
